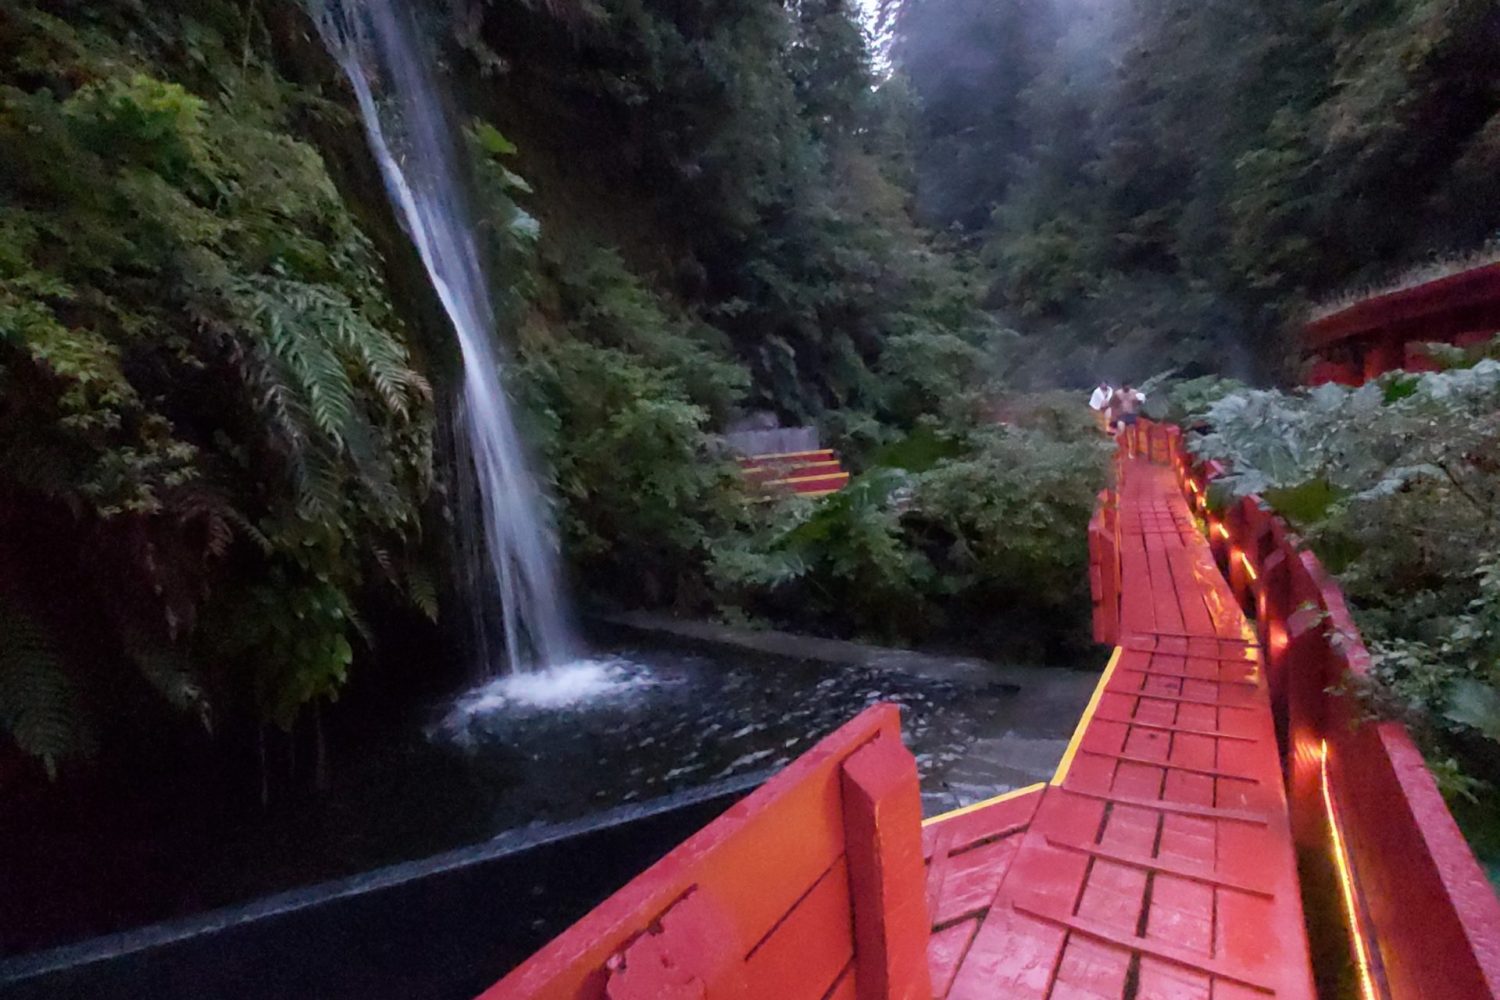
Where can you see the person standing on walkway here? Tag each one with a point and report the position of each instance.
(1127, 407)
(1099, 402)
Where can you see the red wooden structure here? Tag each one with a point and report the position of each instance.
(1385, 332)
(1159, 860)
(1426, 922)
(810, 888)
(810, 473)
(1158, 864)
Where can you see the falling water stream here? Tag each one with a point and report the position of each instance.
(509, 536)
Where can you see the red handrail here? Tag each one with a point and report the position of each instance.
(1426, 919)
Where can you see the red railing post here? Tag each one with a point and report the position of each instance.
(1104, 569)
(887, 877)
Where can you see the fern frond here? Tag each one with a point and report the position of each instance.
(383, 358)
(250, 530)
(315, 367)
(324, 374)
(422, 591)
(174, 678)
(382, 557)
(195, 502)
(319, 483)
(39, 704)
(360, 626)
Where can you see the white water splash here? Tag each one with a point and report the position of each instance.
(565, 686)
(508, 536)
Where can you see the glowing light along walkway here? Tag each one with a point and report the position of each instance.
(1158, 862)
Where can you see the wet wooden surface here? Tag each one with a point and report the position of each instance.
(1158, 863)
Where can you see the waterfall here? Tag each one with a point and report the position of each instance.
(507, 535)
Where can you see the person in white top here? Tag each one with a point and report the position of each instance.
(1100, 402)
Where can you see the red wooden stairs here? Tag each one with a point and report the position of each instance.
(810, 473)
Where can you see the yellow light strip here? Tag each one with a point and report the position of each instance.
(790, 454)
(807, 479)
(1221, 531)
(1248, 568)
(1088, 714)
(1014, 793)
(1346, 882)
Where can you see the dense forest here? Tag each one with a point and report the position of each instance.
(226, 459)
(1171, 183)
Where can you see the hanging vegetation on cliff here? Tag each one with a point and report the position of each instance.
(214, 436)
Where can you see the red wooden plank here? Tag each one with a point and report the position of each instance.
(1012, 956)
(1194, 872)
(1137, 780)
(1167, 981)
(1190, 789)
(946, 950)
(972, 879)
(1190, 577)
(1167, 603)
(684, 955)
(844, 989)
(1182, 911)
(1113, 895)
(1091, 969)
(1189, 839)
(1131, 830)
(1005, 815)
(752, 864)
(808, 951)
(1137, 610)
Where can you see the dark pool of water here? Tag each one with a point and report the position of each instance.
(670, 720)
(666, 719)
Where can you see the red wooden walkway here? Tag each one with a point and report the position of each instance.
(1158, 863)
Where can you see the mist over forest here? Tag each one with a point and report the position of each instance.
(1171, 183)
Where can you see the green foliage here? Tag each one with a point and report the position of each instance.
(1398, 492)
(934, 373)
(998, 529)
(1044, 270)
(508, 228)
(1052, 415)
(838, 320)
(1007, 526)
(603, 303)
(1184, 402)
(203, 378)
(200, 371)
(920, 450)
(855, 562)
(759, 171)
(644, 493)
(301, 628)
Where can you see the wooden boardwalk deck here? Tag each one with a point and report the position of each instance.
(1158, 862)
